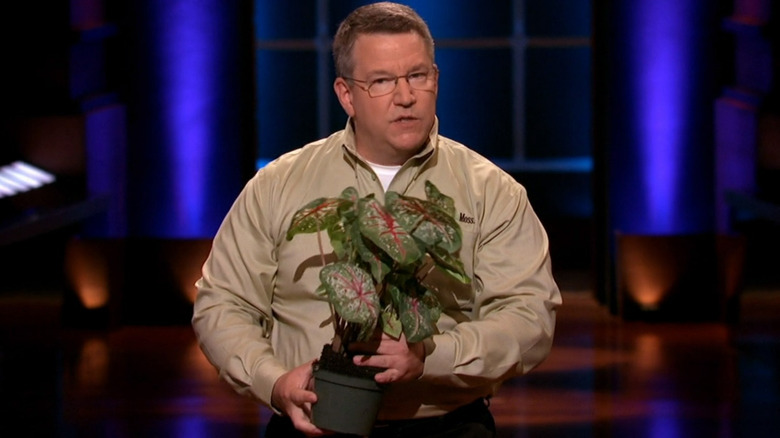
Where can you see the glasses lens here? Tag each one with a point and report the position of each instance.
(419, 81)
(380, 87)
(423, 80)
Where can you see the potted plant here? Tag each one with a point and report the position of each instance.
(380, 280)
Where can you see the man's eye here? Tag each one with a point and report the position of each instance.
(381, 81)
(417, 76)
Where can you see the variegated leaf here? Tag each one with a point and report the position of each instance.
(315, 216)
(418, 313)
(443, 201)
(390, 322)
(371, 255)
(450, 264)
(379, 226)
(350, 194)
(352, 293)
(426, 221)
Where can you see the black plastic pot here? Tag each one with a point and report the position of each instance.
(345, 403)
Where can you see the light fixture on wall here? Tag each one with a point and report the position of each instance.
(19, 177)
(668, 277)
(87, 269)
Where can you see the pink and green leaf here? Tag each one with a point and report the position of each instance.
(418, 313)
(390, 322)
(352, 292)
(450, 264)
(443, 201)
(427, 222)
(315, 216)
(384, 247)
(370, 254)
(379, 226)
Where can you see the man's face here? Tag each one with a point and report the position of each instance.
(392, 128)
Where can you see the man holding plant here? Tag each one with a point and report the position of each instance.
(258, 315)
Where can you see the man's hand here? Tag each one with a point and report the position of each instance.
(293, 395)
(403, 361)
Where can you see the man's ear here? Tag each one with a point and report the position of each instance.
(344, 95)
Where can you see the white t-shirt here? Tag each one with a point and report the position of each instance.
(385, 173)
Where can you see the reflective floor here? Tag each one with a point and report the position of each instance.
(604, 378)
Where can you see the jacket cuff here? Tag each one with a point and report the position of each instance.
(263, 385)
(439, 357)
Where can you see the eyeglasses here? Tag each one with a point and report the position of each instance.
(424, 80)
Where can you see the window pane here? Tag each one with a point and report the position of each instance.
(557, 18)
(279, 19)
(448, 18)
(286, 101)
(475, 99)
(558, 102)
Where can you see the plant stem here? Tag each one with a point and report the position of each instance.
(322, 259)
(319, 244)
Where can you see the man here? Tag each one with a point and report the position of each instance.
(257, 315)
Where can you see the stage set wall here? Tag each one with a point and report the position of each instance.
(166, 141)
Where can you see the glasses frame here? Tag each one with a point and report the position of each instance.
(367, 88)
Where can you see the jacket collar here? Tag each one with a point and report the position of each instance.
(348, 144)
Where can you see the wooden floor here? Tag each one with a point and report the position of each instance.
(604, 378)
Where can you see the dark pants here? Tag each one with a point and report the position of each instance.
(471, 421)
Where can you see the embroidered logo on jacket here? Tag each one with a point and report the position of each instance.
(466, 219)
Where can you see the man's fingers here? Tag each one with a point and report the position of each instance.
(303, 396)
(388, 376)
(379, 361)
(301, 422)
(300, 414)
(401, 360)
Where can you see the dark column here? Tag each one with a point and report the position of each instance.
(656, 75)
(189, 91)
(190, 95)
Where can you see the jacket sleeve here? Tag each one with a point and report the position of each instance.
(232, 311)
(511, 325)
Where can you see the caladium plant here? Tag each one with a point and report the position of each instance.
(384, 253)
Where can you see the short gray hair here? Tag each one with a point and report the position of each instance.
(383, 17)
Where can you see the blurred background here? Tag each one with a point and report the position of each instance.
(647, 133)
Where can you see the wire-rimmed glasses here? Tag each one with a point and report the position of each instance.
(424, 80)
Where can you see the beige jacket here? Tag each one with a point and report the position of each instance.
(257, 315)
